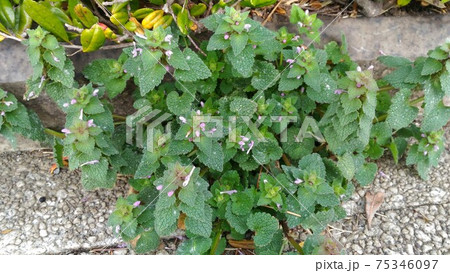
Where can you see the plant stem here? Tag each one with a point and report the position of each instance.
(290, 239)
(286, 160)
(54, 133)
(216, 239)
(414, 102)
(384, 116)
(386, 88)
(119, 117)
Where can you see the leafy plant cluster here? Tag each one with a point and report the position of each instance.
(265, 133)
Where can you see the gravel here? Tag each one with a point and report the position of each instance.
(66, 221)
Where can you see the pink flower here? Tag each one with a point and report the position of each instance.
(8, 103)
(236, 23)
(290, 61)
(136, 204)
(298, 49)
(66, 131)
(92, 162)
(141, 36)
(2, 113)
(65, 105)
(282, 94)
(183, 119)
(298, 181)
(244, 138)
(284, 41)
(295, 38)
(338, 91)
(117, 229)
(73, 101)
(423, 135)
(188, 177)
(226, 36)
(90, 123)
(136, 51)
(254, 46)
(435, 148)
(197, 133)
(247, 27)
(125, 71)
(168, 53)
(250, 146)
(168, 38)
(170, 193)
(228, 192)
(95, 93)
(358, 84)
(212, 130)
(159, 187)
(202, 104)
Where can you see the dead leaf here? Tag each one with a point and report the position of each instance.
(373, 203)
(248, 244)
(133, 242)
(6, 231)
(181, 219)
(281, 11)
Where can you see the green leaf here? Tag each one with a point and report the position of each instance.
(264, 225)
(45, 18)
(97, 175)
(243, 62)
(366, 174)
(288, 84)
(177, 60)
(346, 166)
(317, 222)
(265, 152)
(166, 220)
(197, 68)
(431, 66)
(201, 227)
(275, 247)
(194, 246)
(243, 106)
(148, 241)
(7, 14)
(179, 105)
(266, 76)
(217, 42)
(211, 153)
(445, 82)
(149, 78)
(65, 76)
(400, 113)
(238, 42)
(239, 223)
(242, 202)
(313, 162)
(402, 3)
(92, 39)
(394, 61)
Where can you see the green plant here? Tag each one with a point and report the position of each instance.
(266, 133)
